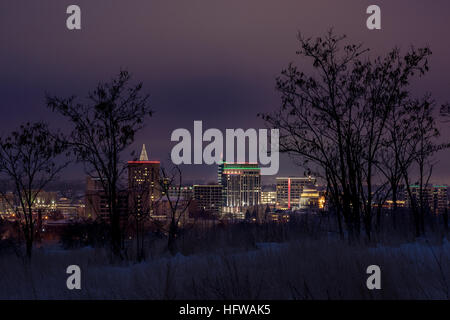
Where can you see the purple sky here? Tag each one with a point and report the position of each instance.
(210, 60)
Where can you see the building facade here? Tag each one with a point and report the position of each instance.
(268, 197)
(143, 184)
(435, 197)
(289, 191)
(241, 186)
(7, 205)
(183, 192)
(208, 198)
(311, 198)
(97, 204)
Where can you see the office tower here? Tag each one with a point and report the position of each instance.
(434, 197)
(268, 197)
(220, 172)
(289, 191)
(96, 201)
(220, 182)
(143, 188)
(208, 198)
(241, 183)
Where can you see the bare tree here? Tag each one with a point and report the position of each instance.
(335, 120)
(178, 202)
(28, 158)
(421, 147)
(103, 128)
(395, 156)
(140, 209)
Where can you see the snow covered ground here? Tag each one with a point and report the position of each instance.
(306, 269)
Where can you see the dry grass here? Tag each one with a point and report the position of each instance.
(296, 269)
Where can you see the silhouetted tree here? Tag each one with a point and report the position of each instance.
(422, 146)
(28, 158)
(445, 113)
(395, 157)
(178, 202)
(336, 119)
(103, 127)
(140, 209)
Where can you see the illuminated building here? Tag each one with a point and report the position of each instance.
(96, 201)
(93, 195)
(289, 191)
(164, 210)
(309, 198)
(208, 198)
(6, 205)
(69, 208)
(241, 183)
(278, 217)
(48, 203)
(45, 200)
(389, 204)
(143, 188)
(184, 193)
(268, 197)
(219, 172)
(434, 196)
(219, 181)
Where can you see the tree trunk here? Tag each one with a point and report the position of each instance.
(115, 223)
(394, 211)
(171, 244)
(29, 233)
(445, 216)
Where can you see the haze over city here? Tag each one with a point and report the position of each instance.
(211, 61)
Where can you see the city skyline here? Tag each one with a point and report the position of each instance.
(224, 156)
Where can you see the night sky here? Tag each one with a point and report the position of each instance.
(209, 60)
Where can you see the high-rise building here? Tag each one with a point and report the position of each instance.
(289, 191)
(434, 196)
(220, 182)
(143, 188)
(7, 205)
(96, 201)
(209, 198)
(183, 192)
(268, 197)
(220, 172)
(93, 195)
(241, 185)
